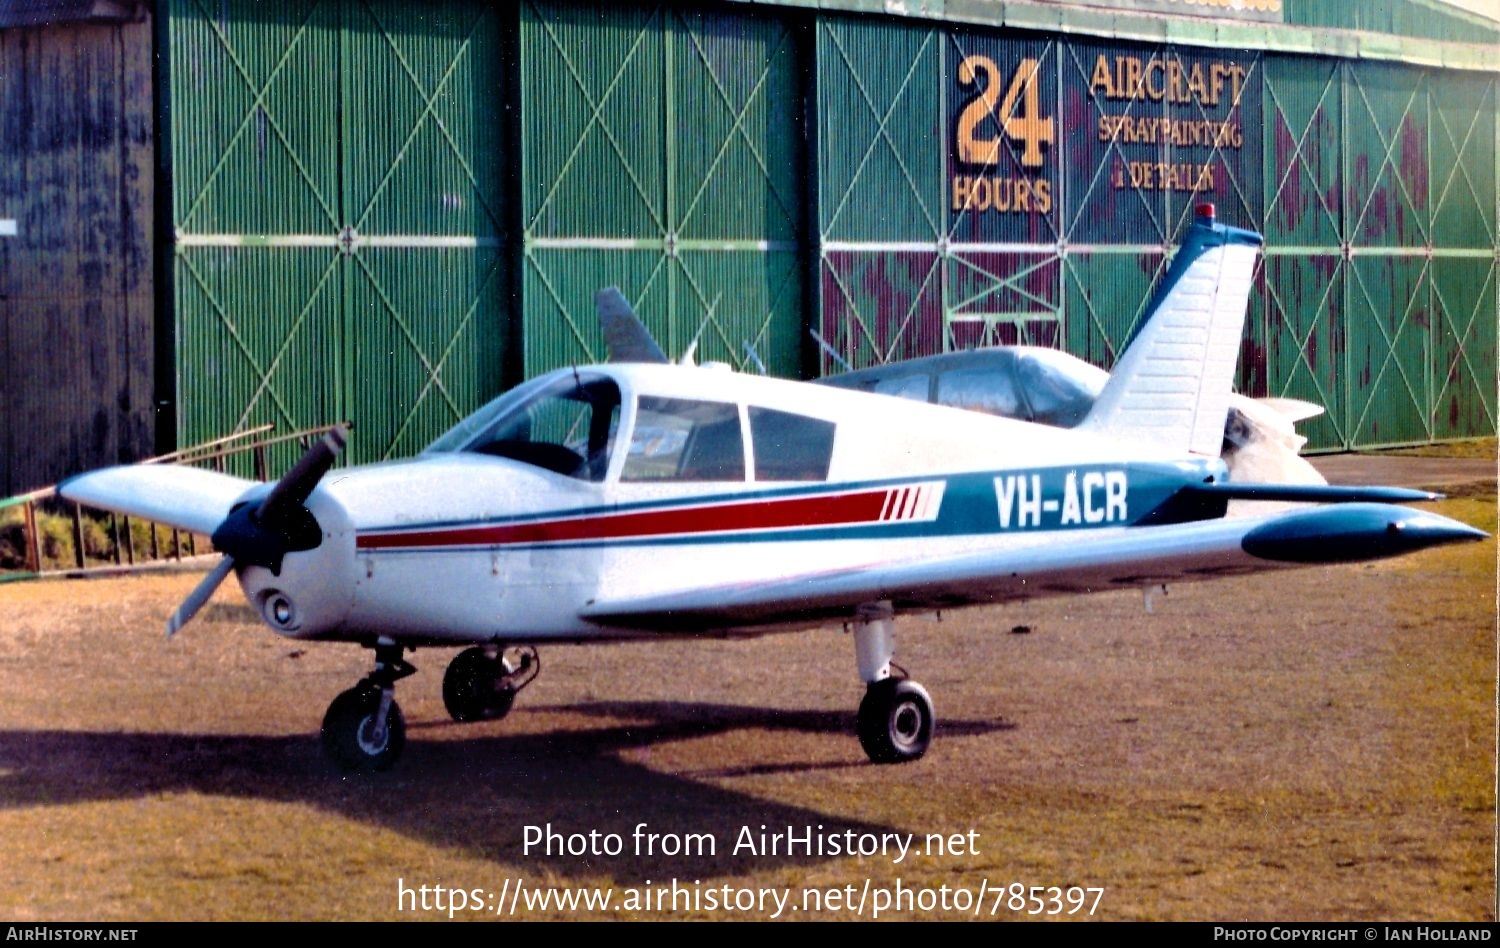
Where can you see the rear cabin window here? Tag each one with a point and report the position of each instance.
(679, 439)
(790, 447)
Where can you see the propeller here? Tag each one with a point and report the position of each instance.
(262, 534)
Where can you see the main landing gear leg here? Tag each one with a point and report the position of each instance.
(895, 721)
(364, 728)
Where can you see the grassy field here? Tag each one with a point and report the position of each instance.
(1468, 448)
(1311, 745)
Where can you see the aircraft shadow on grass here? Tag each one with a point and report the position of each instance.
(476, 795)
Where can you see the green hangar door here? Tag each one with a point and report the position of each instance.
(337, 204)
(662, 150)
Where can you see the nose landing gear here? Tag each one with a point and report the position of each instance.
(364, 728)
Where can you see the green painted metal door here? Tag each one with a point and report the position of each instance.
(1462, 135)
(880, 195)
(337, 203)
(1380, 243)
(661, 153)
(1306, 267)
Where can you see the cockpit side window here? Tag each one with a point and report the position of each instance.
(916, 388)
(568, 428)
(990, 390)
(790, 447)
(679, 439)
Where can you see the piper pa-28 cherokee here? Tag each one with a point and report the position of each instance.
(630, 501)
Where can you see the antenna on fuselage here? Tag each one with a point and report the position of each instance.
(692, 349)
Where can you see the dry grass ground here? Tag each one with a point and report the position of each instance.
(1317, 744)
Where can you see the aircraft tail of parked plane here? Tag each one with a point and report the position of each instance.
(1171, 387)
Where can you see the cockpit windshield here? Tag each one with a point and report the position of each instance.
(565, 423)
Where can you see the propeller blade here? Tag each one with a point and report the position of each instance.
(297, 484)
(264, 534)
(200, 596)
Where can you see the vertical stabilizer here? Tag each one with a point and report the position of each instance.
(625, 335)
(1171, 387)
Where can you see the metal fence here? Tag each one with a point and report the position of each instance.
(96, 542)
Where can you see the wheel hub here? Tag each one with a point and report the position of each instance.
(906, 723)
(372, 735)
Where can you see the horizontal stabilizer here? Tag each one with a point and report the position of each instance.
(186, 497)
(1292, 409)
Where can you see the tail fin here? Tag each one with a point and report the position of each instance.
(1171, 387)
(624, 333)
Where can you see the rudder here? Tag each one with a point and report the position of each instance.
(1170, 389)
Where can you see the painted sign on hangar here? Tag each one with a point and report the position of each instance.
(1095, 143)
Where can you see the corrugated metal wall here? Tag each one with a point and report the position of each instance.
(1381, 241)
(661, 152)
(342, 184)
(1432, 19)
(339, 211)
(985, 187)
(372, 199)
(76, 298)
(1374, 184)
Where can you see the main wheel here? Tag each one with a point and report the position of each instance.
(469, 691)
(350, 736)
(895, 721)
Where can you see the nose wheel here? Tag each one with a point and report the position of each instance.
(364, 728)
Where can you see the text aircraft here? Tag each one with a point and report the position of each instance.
(635, 500)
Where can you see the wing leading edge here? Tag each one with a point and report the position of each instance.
(186, 497)
(1141, 556)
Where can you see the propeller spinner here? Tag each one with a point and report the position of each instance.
(263, 533)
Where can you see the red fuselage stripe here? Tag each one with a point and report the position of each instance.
(780, 514)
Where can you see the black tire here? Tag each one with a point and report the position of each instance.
(895, 721)
(469, 691)
(347, 726)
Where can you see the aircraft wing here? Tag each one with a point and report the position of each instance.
(1131, 557)
(186, 497)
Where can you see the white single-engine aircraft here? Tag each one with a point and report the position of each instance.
(632, 501)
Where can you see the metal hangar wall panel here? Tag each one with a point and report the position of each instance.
(338, 215)
(662, 152)
(388, 211)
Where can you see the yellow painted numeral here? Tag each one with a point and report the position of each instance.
(1026, 125)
